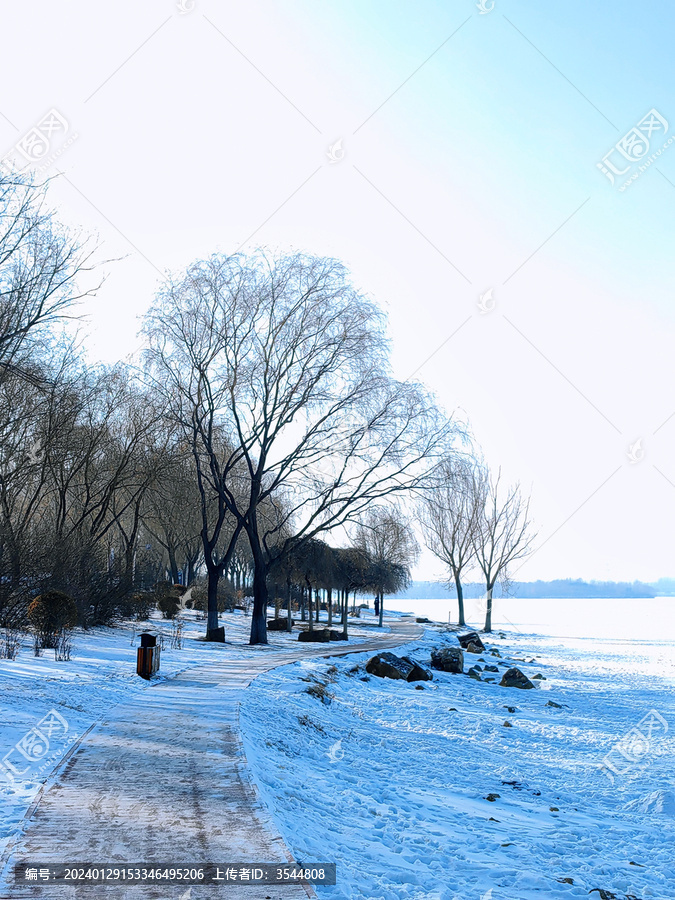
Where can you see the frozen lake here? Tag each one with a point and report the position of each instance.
(649, 619)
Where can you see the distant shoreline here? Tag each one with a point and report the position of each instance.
(562, 589)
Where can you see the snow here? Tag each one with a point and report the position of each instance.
(390, 782)
(63, 700)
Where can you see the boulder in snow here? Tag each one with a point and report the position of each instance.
(514, 678)
(418, 672)
(449, 659)
(471, 637)
(388, 665)
(317, 636)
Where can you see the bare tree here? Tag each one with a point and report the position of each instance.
(351, 574)
(40, 266)
(172, 512)
(289, 360)
(503, 534)
(387, 539)
(449, 516)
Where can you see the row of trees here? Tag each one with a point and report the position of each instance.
(262, 426)
(472, 522)
(378, 563)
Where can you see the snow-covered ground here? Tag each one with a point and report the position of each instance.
(390, 782)
(46, 706)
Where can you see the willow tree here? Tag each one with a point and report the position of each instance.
(389, 543)
(503, 534)
(284, 356)
(449, 517)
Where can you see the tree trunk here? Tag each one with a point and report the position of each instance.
(212, 605)
(345, 601)
(302, 604)
(330, 607)
(488, 611)
(191, 570)
(460, 598)
(311, 610)
(289, 624)
(317, 600)
(381, 608)
(173, 565)
(260, 596)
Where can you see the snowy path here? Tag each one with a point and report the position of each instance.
(164, 779)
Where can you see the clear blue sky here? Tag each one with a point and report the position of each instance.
(471, 144)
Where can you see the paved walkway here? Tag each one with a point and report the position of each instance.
(165, 780)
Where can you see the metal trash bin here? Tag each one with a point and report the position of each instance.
(147, 657)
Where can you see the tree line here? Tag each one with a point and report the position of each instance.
(261, 428)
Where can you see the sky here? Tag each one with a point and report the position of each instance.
(456, 156)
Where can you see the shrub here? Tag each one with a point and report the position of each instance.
(138, 606)
(227, 597)
(169, 606)
(63, 646)
(10, 644)
(319, 690)
(50, 614)
(168, 598)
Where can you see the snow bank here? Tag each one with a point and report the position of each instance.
(390, 781)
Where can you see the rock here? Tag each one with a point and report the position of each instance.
(491, 669)
(554, 704)
(338, 636)
(489, 680)
(538, 677)
(474, 673)
(553, 809)
(470, 637)
(448, 659)
(511, 709)
(515, 678)
(477, 668)
(471, 647)
(388, 665)
(507, 725)
(492, 797)
(317, 636)
(421, 620)
(604, 895)
(419, 687)
(364, 678)
(278, 624)
(494, 652)
(565, 880)
(418, 672)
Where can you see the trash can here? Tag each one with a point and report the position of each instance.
(147, 657)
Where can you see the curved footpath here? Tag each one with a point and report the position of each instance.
(164, 779)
